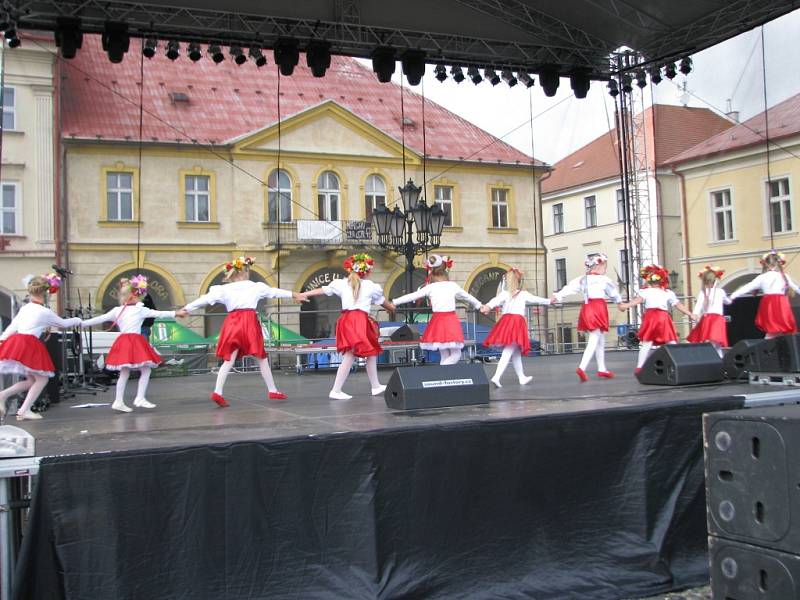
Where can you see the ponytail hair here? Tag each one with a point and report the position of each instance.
(355, 283)
(514, 281)
(789, 289)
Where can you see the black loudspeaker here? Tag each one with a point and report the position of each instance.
(740, 359)
(405, 333)
(743, 572)
(778, 355)
(682, 364)
(436, 386)
(52, 390)
(751, 476)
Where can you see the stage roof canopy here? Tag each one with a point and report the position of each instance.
(516, 34)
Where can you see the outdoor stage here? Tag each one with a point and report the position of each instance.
(555, 490)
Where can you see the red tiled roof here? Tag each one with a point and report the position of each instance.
(676, 129)
(783, 119)
(100, 101)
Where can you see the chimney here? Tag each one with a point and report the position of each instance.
(733, 115)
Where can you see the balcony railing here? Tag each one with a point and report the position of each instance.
(320, 233)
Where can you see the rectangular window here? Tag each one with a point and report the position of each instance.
(119, 196)
(198, 198)
(624, 268)
(722, 210)
(443, 194)
(620, 206)
(561, 273)
(499, 208)
(9, 217)
(9, 108)
(780, 205)
(590, 210)
(558, 218)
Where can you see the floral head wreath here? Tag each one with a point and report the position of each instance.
(138, 285)
(361, 264)
(718, 273)
(655, 275)
(434, 261)
(779, 255)
(54, 280)
(243, 262)
(595, 259)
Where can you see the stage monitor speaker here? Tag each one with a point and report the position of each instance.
(405, 333)
(743, 572)
(437, 386)
(779, 355)
(682, 364)
(740, 359)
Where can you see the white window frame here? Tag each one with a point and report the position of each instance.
(445, 202)
(275, 195)
(119, 191)
(12, 110)
(500, 207)
(717, 210)
(562, 261)
(16, 211)
(329, 197)
(558, 218)
(193, 196)
(590, 209)
(785, 200)
(619, 195)
(374, 197)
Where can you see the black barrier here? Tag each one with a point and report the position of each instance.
(596, 504)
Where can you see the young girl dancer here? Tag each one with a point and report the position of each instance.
(21, 350)
(774, 316)
(657, 327)
(511, 331)
(593, 319)
(241, 333)
(356, 331)
(443, 332)
(708, 307)
(131, 350)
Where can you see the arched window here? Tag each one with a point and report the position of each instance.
(374, 194)
(279, 195)
(328, 196)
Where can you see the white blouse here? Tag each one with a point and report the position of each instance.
(515, 305)
(33, 319)
(238, 295)
(592, 287)
(717, 297)
(369, 293)
(443, 296)
(129, 318)
(770, 282)
(656, 297)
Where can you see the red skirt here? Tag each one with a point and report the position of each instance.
(443, 331)
(241, 332)
(25, 354)
(356, 332)
(775, 314)
(132, 351)
(594, 315)
(510, 330)
(657, 327)
(711, 328)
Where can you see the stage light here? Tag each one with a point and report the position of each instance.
(457, 73)
(655, 75)
(238, 54)
(383, 63)
(215, 52)
(508, 77)
(474, 75)
(641, 80)
(627, 83)
(525, 79)
(440, 72)
(173, 50)
(257, 56)
(116, 40)
(549, 80)
(413, 62)
(150, 46)
(613, 90)
(287, 55)
(670, 71)
(69, 36)
(579, 82)
(491, 76)
(318, 57)
(194, 52)
(686, 65)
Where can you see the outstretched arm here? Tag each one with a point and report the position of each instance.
(623, 306)
(109, 316)
(682, 307)
(747, 288)
(405, 299)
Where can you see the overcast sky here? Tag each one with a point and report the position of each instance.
(562, 124)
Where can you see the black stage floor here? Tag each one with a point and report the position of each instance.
(186, 417)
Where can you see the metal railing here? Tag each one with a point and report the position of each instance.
(320, 233)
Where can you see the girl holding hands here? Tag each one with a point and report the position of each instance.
(708, 307)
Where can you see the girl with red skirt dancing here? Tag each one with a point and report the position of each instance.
(708, 308)
(511, 331)
(131, 350)
(443, 332)
(21, 350)
(593, 319)
(774, 316)
(241, 333)
(657, 327)
(356, 331)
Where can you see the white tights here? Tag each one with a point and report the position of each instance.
(225, 369)
(595, 346)
(344, 370)
(34, 384)
(141, 388)
(449, 356)
(513, 355)
(647, 347)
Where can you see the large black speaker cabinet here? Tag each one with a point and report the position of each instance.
(436, 386)
(779, 355)
(751, 461)
(682, 364)
(743, 572)
(405, 333)
(740, 359)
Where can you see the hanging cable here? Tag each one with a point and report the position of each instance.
(535, 219)
(403, 128)
(280, 201)
(424, 147)
(766, 138)
(139, 171)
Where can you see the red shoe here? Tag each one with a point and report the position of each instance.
(277, 396)
(582, 375)
(219, 400)
(606, 374)
(637, 370)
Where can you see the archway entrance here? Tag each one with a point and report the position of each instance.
(399, 287)
(484, 288)
(318, 315)
(159, 289)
